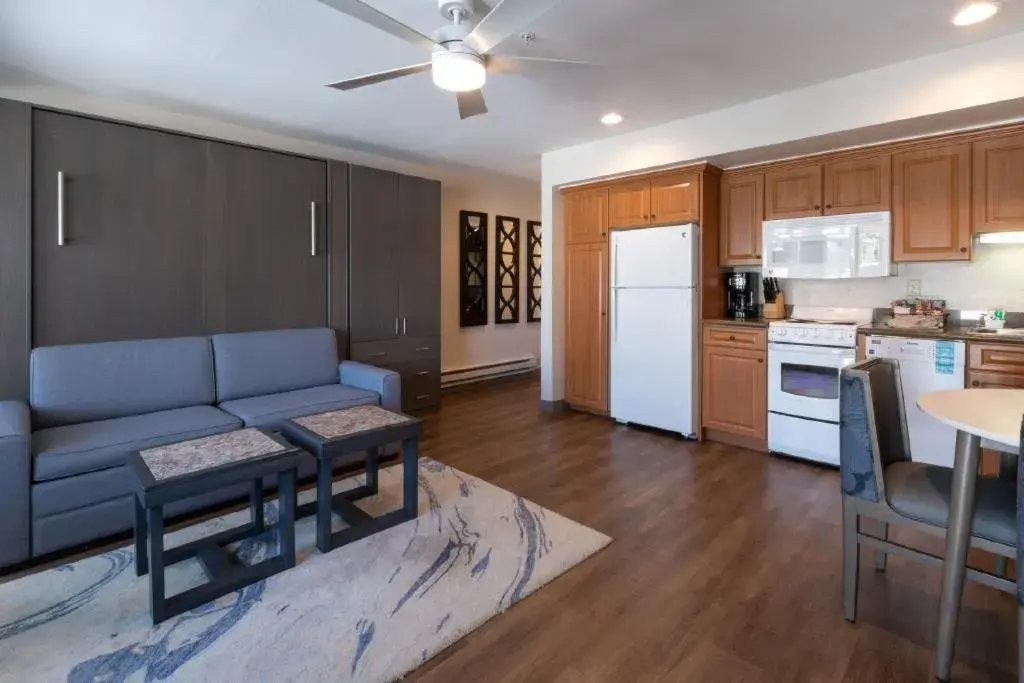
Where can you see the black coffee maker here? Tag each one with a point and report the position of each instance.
(741, 294)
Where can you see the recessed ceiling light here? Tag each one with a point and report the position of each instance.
(976, 11)
(611, 119)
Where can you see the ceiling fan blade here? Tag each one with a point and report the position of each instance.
(471, 103)
(374, 17)
(507, 17)
(515, 65)
(353, 83)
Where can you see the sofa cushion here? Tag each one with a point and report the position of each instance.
(271, 409)
(260, 363)
(89, 382)
(76, 449)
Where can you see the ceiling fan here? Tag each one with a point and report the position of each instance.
(460, 55)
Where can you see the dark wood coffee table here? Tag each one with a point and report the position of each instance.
(355, 434)
(166, 474)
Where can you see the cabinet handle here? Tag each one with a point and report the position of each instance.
(422, 396)
(396, 327)
(405, 324)
(423, 348)
(60, 208)
(423, 373)
(376, 354)
(312, 228)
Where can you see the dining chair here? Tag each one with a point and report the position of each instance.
(1020, 560)
(881, 482)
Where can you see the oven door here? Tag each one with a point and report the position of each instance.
(803, 381)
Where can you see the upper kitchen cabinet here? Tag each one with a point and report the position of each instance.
(793, 192)
(675, 198)
(629, 204)
(999, 184)
(932, 204)
(858, 185)
(742, 214)
(586, 216)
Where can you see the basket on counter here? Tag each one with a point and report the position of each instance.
(918, 314)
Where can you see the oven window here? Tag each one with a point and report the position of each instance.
(810, 381)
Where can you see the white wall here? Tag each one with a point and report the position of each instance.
(970, 77)
(473, 346)
(993, 279)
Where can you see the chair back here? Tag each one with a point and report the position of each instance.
(872, 426)
(1020, 521)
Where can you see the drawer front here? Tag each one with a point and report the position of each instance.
(736, 337)
(421, 384)
(1006, 358)
(994, 380)
(390, 353)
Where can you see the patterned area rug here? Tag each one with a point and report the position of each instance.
(370, 611)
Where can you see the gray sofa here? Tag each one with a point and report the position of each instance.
(62, 454)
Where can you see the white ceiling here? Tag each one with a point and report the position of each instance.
(264, 63)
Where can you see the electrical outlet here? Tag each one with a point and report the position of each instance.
(913, 288)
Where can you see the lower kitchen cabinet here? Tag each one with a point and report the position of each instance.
(586, 326)
(734, 381)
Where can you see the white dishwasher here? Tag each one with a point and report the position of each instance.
(925, 365)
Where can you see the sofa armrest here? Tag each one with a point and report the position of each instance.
(16, 475)
(387, 383)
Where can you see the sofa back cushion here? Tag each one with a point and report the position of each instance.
(260, 363)
(88, 382)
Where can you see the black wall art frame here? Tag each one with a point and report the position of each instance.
(506, 270)
(472, 268)
(533, 260)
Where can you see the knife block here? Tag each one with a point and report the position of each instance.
(777, 309)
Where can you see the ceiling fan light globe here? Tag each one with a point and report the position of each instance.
(976, 11)
(458, 71)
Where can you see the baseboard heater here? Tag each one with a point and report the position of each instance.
(481, 373)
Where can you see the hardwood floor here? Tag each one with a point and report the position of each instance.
(725, 564)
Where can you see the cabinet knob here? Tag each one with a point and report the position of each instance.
(603, 313)
(760, 360)
(817, 207)
(604, 234)
(653, 216)
(828, 206)
(963, 250)
(732, 337)
(975, 383)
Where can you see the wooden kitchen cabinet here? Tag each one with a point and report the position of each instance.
(742, 215)
(734, 383)
(1003, 359)
(858, 185)
(586, 216)
(931, 218)
(586, 326)
(793, 192)
(999, 184)
(629, 204)
(675, 198)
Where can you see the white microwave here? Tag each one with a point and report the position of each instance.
(828, 247)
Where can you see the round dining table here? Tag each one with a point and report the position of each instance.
(992, 414)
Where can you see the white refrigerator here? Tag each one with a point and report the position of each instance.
(653, 308)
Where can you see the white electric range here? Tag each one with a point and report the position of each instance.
(806, 353)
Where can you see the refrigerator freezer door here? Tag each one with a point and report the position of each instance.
(654, 257)
(652, 358)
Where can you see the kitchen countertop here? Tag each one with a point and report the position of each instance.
(950, 332)
(742, 322)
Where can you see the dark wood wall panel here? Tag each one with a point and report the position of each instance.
(419, 244)
(337, 200)
(134, 205)
(15, 254)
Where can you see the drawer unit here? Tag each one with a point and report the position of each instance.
(994, 380)
(1001, 358)
(421, 384)
(735, 336)
(389, 353)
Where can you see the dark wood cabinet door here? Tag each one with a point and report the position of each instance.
(267, 266)
(15, 248)
(999, 184)
(742, 214)
(931, 212)
(373, 259)
(419, 249)
(586, 326)
(793, 192)
(858, 185)
(337, 221)
(134, 207)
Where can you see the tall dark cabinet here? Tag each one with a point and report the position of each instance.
(114, 231)
(118, 237)
(395, 278)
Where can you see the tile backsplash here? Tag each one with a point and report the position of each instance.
(994, 278)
